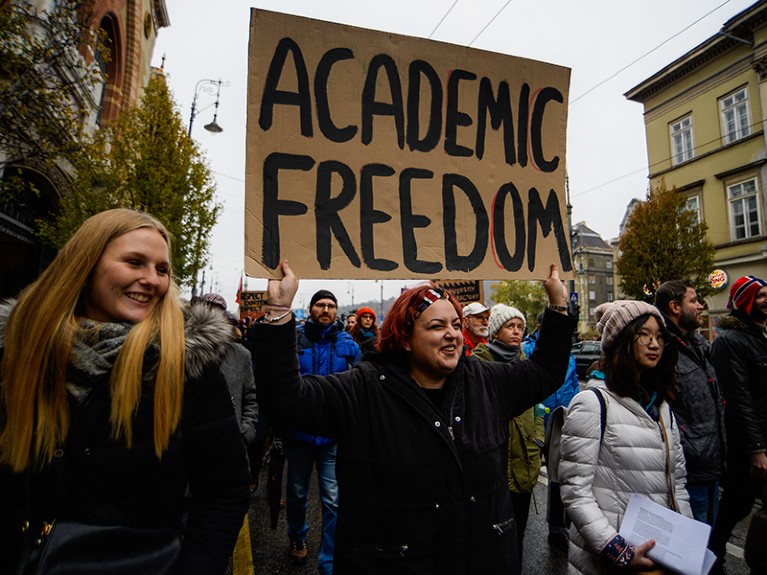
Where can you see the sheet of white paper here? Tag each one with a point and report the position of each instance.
(680, 542)
(708, 562)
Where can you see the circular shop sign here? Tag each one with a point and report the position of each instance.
(718, 279)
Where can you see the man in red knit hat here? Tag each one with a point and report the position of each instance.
(739, 355)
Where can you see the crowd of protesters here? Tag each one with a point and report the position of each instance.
(121, 406)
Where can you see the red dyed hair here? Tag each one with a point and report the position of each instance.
(398, 323)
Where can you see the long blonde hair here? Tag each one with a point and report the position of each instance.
(38, 342)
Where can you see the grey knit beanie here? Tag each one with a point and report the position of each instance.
(613, 317)
(499, 315)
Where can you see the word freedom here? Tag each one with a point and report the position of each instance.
(419, 127)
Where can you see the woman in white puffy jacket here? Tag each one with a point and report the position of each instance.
(636, 450)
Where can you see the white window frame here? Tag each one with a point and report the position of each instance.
(609, 296)
(693, 205)
(682, 146)
(592, 295)
(745, 210)
(609, 264)
(735, 116)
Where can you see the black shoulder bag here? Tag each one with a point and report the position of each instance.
(72, 548)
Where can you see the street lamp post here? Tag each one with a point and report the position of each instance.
(207, 85)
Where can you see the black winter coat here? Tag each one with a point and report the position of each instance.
(421, 490)
(739, 355)
(699, 408)
(97, 480)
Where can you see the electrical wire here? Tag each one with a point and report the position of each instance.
(491, 21)
(443, 18)
(755, 125)
(667, 40)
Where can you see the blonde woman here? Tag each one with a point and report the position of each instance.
(111, 401)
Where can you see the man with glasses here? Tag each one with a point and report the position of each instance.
(699, 404)
(323, 348)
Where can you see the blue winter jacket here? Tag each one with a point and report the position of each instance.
(569, 388)
(322, 352)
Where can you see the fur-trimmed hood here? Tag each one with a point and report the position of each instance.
(207, 333)
(731, 321)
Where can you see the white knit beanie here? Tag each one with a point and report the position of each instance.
(499, 315)
(613, 317)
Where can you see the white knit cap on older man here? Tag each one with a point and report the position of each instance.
(500, 314)
(613, 317)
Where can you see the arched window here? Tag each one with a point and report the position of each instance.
(108, 58)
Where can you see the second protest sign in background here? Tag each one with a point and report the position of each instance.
(374, 155)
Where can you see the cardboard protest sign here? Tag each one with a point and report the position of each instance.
(252, 303)
(375, 155)
(465, 291)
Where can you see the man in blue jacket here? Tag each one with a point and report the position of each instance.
(323, 348)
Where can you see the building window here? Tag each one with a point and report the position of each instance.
(609, 280)
(693, 205)
(681, 141)
(744, 210)
(609, 296)
(609, 264)
(735, 120)
(592, 295)
(592, 279)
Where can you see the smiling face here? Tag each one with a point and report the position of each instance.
(646, 347)
(512, 331)
(130, 278)
(435, 345)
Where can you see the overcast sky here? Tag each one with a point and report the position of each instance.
(610, 46)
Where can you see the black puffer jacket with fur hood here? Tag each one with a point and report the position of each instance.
(96, 479)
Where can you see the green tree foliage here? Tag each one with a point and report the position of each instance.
(663, 241)
(529, 297)
(146, 161)
(45, 84)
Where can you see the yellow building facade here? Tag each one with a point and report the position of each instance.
(704, 123)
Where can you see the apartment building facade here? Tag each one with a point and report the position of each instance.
(704, 125)
(594, 275)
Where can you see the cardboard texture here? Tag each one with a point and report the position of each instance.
(376, 155)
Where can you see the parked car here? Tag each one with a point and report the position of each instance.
(585, 353)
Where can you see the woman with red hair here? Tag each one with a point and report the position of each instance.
(422, 431)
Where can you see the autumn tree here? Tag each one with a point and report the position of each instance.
(46, 86)
(147, 161)
(529, 297)
(663, 241)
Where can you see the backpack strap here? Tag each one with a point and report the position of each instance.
(602, 411)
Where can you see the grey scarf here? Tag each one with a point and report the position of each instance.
(94, 352)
